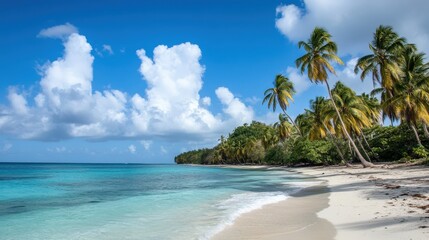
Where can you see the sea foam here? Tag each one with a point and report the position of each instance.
(239, 204)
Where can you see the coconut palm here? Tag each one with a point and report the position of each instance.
(384, 61)
(269, 139)
(283, 127)
(387, 110)
(354, 112)
(315, 123)
(373, 112)
(281, 93)
(373, 107)
(320, 50)
(411, 99)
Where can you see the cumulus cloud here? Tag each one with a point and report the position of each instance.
(236, 109)
(206, 101)
(59, 31)
(352, 23)
(18, 102)
(171, 107)
(173, 103)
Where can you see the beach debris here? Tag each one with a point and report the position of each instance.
(391, 186)
(418, 195)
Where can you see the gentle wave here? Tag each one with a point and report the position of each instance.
(234, 208)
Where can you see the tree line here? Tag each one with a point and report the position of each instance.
(346, 126)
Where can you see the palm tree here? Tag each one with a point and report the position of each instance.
(411, 100)
(387, 110)
(280, 94)
(354, 112)
(320, 50)
(373, 112)
(283, 127)
(269, 139)
(384, 61)
(315, 123)
(373, 107)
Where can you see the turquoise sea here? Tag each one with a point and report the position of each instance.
(119, 201)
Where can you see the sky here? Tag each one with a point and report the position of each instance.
(141, 81)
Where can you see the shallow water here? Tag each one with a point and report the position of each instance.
(117, 201)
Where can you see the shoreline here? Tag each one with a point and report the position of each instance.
(293, 218)
(357, 203)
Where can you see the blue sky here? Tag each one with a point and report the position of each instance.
(80, 80)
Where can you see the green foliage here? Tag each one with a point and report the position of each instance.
(276, 155)
(334, 127)
(392, 143)
(200, 156)
(420, 152)
(318, 152)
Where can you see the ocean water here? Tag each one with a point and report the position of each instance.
(118, 201)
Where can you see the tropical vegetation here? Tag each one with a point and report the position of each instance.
(345, 127)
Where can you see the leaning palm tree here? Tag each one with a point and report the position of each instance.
(354, 112)
(281, 93)
(373, 107)
(384, 61)
(411, 101)
(314, 123)
(320, 50)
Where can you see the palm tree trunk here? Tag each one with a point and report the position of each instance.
(367, 144)
(364, 151)
(417, 134)
(293, 122)
(343, 160)
(364, 162)
(366, 141)
(425, 130)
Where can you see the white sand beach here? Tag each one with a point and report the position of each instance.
(349, 203)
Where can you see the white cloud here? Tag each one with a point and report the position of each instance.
(300, 82)
(132, 149)
(173, 102)
(206, 101)
(171, 108)
(17, 102)
(352, 80)
(107, 48)
(237, 110)
(352, 23)
(59, 31)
